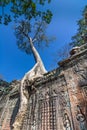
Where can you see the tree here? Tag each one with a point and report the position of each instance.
(36, 30)
(24, 8)
(29, 31)
(28, 35)
(81, 35)
(26, 43)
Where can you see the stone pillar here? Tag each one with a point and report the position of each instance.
(76, 100)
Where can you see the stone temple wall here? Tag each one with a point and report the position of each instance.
(60, 102)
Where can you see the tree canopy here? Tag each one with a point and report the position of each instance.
(27, 9)
(81, 35)
(31, 18)
(25, 30)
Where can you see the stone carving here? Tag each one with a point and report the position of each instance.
(81, 70)
(54, 105)
(66, 122)
(85, 90)
(33, 127)
(75, 50)
(81, 118)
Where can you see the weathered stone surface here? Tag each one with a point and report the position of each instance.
(59, 102)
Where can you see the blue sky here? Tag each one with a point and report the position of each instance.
(14, 63)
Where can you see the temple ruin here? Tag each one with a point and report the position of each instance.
(59, 101)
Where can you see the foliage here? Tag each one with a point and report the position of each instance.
(35, 30)
(3, 83)
(27, 9)
(5, 87)
(31, 19)
(81, 35)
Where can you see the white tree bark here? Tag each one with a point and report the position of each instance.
(29, 78)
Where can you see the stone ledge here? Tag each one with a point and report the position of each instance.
(77, 55)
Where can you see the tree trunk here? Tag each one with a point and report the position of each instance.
(26, 86)
(37, 57)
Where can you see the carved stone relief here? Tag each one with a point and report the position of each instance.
(81, 118)
(81, 70)
(66, 122)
